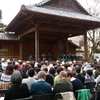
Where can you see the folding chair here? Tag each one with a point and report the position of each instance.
(2, 92)
(28, 98)
(65, 96)
(91, 86)
(43, 97)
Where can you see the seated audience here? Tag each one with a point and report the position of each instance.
(30, 78)
(77, 84)
(78, 75)
(89, 76)
(23, 72)
(57, 77)
(4, 65)
(97, 71)
(36, 70)
(64, 85)
(41, 86)
(98, 87)
(17, 89)
(1, 71)
(6, 75)
(49, 77)
(16, 68)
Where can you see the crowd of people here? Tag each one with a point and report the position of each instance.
(30, 78)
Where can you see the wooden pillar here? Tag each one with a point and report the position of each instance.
(20, 48)
(85, 46)
(66, 45)
(59, 48)
(36, 43)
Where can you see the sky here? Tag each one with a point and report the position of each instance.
(10, 8)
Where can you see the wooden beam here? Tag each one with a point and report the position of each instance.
(20, 48)
(52, 29)
(27, 32)
(85, 47)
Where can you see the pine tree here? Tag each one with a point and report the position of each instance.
(2, 25)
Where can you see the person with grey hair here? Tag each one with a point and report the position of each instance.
(17, 90)
(41, 86)
(64, 85)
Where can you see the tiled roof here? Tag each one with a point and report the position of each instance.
(81, 6)
(42, 2)
(46, 1)
(6, 36)
(62, 12)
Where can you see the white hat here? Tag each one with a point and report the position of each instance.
(36, 64)
(2, 59)
(87, 67)
(70, 68)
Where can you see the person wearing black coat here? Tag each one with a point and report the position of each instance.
(17, 90)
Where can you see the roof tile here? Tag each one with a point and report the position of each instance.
(62, 12)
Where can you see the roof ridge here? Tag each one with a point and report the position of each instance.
(36, 4)
(82, 7)
(42, 3)
(46, 1)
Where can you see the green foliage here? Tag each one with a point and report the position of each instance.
(4, 53)
(2, 26)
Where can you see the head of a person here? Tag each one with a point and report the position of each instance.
(9, 69)
(16, 78)
(31, 72)
(63, 75)
(52, 71)
(36, 70)
(77, 69)
(23, 71)
(15, 67)
(98, 67)
(66, 65)
(58, 62)
(89, 72)
(59, 69)
(42, 75)
(69, 75)
(20, 62)
(44, 68)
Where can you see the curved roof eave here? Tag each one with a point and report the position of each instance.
(63, 13)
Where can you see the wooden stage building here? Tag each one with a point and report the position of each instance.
(46, 26)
